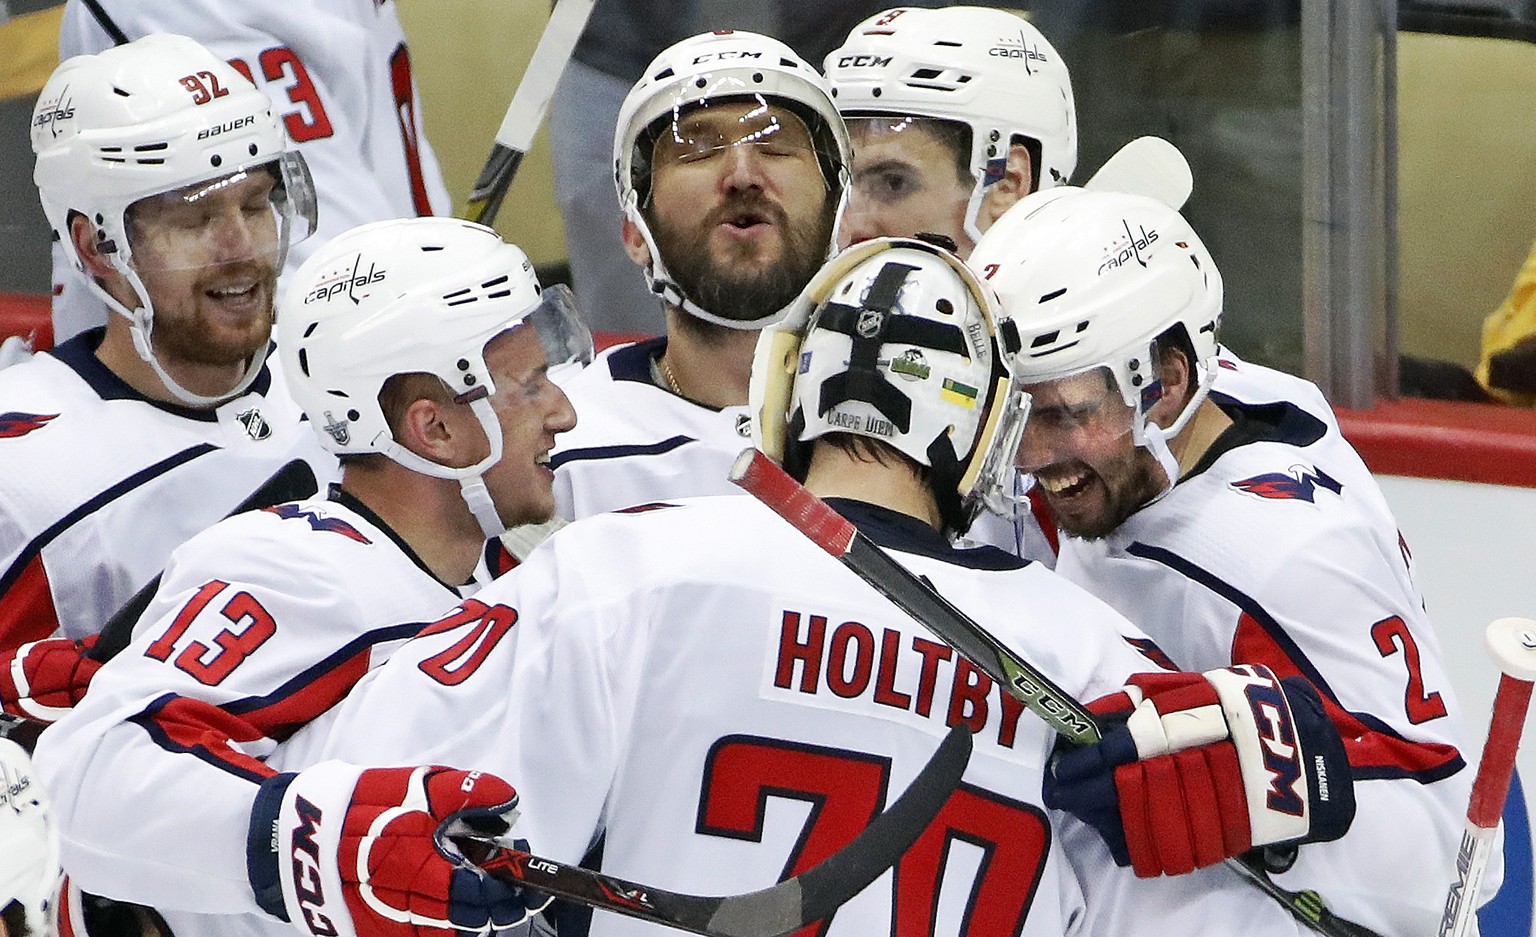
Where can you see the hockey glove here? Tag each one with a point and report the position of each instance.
(342, 851)
(42, 680)
(1202, 767)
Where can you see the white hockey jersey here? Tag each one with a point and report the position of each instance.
(339, 75)
(635, 442)
(1278, 548)
(100, 483)
(261, 622)
(724, 705)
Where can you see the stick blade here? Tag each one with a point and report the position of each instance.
(1149, 166)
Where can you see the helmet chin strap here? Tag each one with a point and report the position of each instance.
(1156, 439)
(471, 478)
(141, 325)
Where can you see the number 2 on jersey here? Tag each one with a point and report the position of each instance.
(846, 790)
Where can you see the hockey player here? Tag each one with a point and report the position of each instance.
(420, 350)
(339, 76)
(731, 165)
(29, 849)
(165, 175)
(955, 114)
(669, 689)
(1231, 532)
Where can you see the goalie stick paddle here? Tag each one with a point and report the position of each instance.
(293, 481)
(811, 896)
(529, 103)
(1149, 166)
(1512, 644)
(770, 484)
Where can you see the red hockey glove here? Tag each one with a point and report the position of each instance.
(1201, 767)
(343, 851)
(42, 680)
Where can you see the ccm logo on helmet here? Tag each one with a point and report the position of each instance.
(228, 126)
(723, 56)
(864, 61)
(306, 870)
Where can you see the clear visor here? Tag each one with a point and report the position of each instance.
(1071, 417)
(910, 175)
(566, 339)
(996, 481)
(250, 216)
(712, 130)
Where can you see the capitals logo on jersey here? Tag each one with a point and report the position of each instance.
(15, 424)
(1300, 485)
(290, 512)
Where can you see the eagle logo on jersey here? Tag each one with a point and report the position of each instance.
(255, 424)
(1300, 485)
(290, 512)
(16, 424)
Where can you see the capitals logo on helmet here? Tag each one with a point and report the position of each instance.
(895, 340)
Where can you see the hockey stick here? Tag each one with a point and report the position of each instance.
(1512, 642)
(526, 112)
(294, 480)
(762, 477)
(1149, 166)
(811, 896)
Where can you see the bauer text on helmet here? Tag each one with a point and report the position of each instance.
(731, 164)
(1116, 303)
(955, 113)
(164, 174)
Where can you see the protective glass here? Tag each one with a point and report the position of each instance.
(709, 130)
(910, 175)
(251, 215)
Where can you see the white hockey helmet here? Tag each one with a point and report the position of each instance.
(987, 69)
(29, 842)
(158, 115)
(717, 67)
(896, 340)
(414, 295)
(1093, 280)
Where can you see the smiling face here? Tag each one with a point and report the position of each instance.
(531, 411)
(908, 178)
(739, 209)
(207, 254)
(1079, 446)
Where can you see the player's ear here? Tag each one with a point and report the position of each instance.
(1018, 177)
(1176, 377)
(83, 237)
(634, 243)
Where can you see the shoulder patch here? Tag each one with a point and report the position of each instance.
(1152, 652)
(16, 424)
(290, 512)
(1301, 484)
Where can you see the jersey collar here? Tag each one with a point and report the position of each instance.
(79, 355)
(897, 531)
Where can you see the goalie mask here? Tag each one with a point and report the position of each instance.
(418, 295)
(986, 71)
(1103, 281)
(792, 110)
(894, 340)
(29, 843)
(178, 164)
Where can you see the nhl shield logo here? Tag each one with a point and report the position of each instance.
(256, 425)
(337, 429)
(869, 322)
